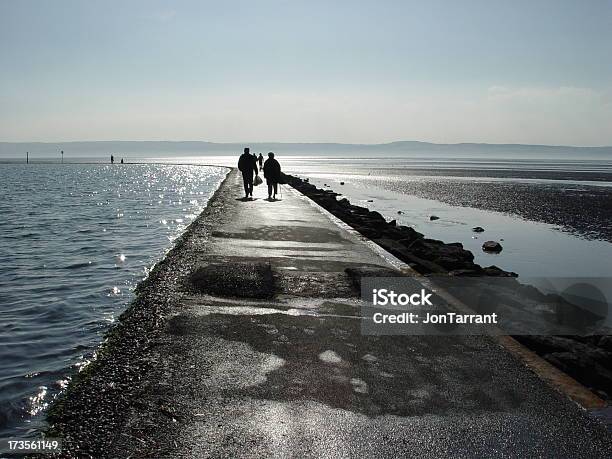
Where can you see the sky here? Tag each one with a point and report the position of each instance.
(496, 71)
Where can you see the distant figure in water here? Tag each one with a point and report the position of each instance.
(112, 159)
(121, 160)
(247, 164)
(272, 173)
(260, 160)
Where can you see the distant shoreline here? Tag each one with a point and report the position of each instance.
(201, 148)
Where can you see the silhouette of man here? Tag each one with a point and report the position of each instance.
(260, 160)
(247, 164)
(112, 159)
(272, 173)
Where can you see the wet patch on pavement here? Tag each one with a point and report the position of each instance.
(248, 280)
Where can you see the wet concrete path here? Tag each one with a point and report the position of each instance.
(293, 376)
(287, 372)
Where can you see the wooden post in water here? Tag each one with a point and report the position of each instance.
(62, 156)
(27, 157)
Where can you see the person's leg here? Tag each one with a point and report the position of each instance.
(245, 182)
(269, 189)
(251, 186)
(275, 189)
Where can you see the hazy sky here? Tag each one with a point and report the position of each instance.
(532, 71)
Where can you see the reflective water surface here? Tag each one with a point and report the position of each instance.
(74, 242)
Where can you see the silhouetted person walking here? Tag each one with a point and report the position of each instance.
(112, 159)
(272, 173)
(247, 164)
(260, 160)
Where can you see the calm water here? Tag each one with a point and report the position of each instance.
(74, 242)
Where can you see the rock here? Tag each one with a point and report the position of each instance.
(555, 344)
(451, 263)
(407, 242)
(456, 252)
(341, 183)
(376, 216)
(370, 200)
(434, 217)
(498, 272)
(601, 394)
(492, 246)
(368, 231)
(582, 368)
(478, 229)
(605, 342)
(399, 212)
(465, 272)
(393, 223)
(409, 232)
(397, 249)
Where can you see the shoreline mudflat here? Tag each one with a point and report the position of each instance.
(584, 210)
(199, 365)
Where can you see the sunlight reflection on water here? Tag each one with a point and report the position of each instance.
(74, 242)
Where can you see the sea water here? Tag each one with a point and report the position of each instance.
(74, 242)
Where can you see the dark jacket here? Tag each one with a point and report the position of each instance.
(247, 164)
(272, 170)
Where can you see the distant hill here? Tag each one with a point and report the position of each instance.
(143, 149)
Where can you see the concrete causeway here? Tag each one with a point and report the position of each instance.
(286, 372)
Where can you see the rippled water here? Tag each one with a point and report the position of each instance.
(74, 242)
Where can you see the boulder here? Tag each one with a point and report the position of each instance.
(409, 232)
(452, 263)
(376, 216)
(478, 229)
(434, 217)
(582, 368)
(605, 342)
(368, 231)
(465, 272)
(492, 246)
(494, 271)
